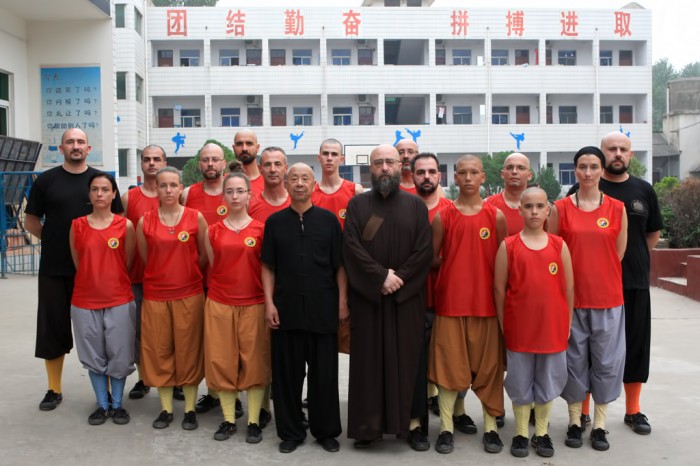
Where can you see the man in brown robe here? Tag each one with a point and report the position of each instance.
(387, 253)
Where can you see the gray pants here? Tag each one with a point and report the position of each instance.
(532, 377)
(104, 339)
(596, 355)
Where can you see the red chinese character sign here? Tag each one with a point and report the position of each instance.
(235, 23)
(569, 23)
(460, 22)
(352, 23)
(515, 23)
(293, 23)
(177, 22)
(622, 24)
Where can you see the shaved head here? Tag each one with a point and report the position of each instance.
(469, 158)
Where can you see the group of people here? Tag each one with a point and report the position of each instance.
(263, 274)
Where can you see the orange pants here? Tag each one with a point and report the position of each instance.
(171, 342)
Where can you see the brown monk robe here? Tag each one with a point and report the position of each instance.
(387, 330)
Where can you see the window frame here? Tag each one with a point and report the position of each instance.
(120, 17)
(607, 110)
(193, 115)
(121, 85)
(343, 56)
(567, 113)
(254, 116)
(462, 115)
(498, 58)
(606, 58)
(566, 57)
(461, 57)
(567, 170)
(229, 115)
(300, 57)
(184, 58)
(229, 55)
(499, 116)
(138, 21)
(138, 88)
(303, 116)
(344, 114)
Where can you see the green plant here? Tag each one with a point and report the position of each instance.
(493, 163)
(546, 179)
(637, 168)
(191, 173)
(683, 215)
(663, 188)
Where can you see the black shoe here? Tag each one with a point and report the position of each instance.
(573, 437)
(543, 445)
(304, 420)
(500, 421)
(598, 439)
(433, 405)
(532, 417)
(288, 446)
(330, 444)
(121, 416)
(239, 408)
(190, 421)
(225, 430)
(50, 401)
(363, 444)
(464, 424)
(206, 403)
(98, 417)
(254, 434)
(418, 440)
(178, 394)
(305, 403)
(163, 420)
(445, 442)
(139, 391)
(520, 447)
(264, 418)
(585, 421)
(639, 423)
(492, 442)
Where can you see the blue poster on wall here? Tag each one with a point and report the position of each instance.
(70, 98)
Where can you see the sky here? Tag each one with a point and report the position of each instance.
(675, 31)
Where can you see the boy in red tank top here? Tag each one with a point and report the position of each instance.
(534, 290)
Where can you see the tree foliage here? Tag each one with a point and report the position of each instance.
(185, 2)
(637, 168)
(493, 163)
(191, 173)
(682, 216)
(661, 73)
(546, 179)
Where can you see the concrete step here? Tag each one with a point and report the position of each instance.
(683, 269)
(678, 285)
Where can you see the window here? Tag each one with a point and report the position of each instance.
(190, 118)
(345, 172)
(121, 85)
(279, 116)
(567, 57)
(567, 115)
(165, 118)
(255, 116)
(461, 115)
(443, 171)
(567, 175)
(165, 58)
(550, 119)
(365, 57)
(340, 56)
(626, 58)
(606, 114)
(189, 57)
(123, 155)
(499, 57)
(342, 116)
(522, 114)
(301, 57)
(303, 116)
(461, 57)
(228, 57)
(366, 116)
(119, 20)
(138, 21)
(253, 57)
(626, 114)
(139, 89)
(392, 2)
(439, 56)
(4, 86)
(606, 58)
(499, 115)
(548, 59)
(4, 129)
(4, 104)
(413, 3)
(278, 57)
(522, 57)
(230, 117)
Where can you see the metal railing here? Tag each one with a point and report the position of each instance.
(19, 249)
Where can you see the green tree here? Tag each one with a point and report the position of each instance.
(191, 173)
(185, 2)
(661, 73)
(548, 181)
(691, 70)
(493, 163)
(637, 168)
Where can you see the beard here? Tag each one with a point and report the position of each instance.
(386, 184)
(246, 159)
(426, 188)
(616, 170)
(211, 176)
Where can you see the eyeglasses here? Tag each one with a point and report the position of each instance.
(388, 162)
(212, 160)
(520, 168)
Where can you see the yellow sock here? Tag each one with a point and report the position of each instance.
(212, 393)
(256, 396)
(489, 421)
(190, 392)
(599, 415)
(138, 371)
(542, 412)
(166, 398)
(415, 422)
(238, 395)
(575, 413)
(432, 390)
(459, 406)
(522, 418)
(228, 405)
(266, 400)
(54, 369)
(446, 400)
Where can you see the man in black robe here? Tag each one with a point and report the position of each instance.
(387, 254)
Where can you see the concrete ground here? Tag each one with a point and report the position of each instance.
(63, 436)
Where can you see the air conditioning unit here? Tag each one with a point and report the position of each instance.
(252, 99)
(362, 42)
(362, 98)
(252, 44)
(439, 43)
(439, 98)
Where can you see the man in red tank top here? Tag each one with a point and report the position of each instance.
(274, 197)
(205, 196)
(246, 147)
(407, 150)
(516, 174)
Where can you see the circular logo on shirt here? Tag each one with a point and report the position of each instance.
(113, 243)
(183, 236)
(484, 233)
(638, 206)
(341, 213)
(553, 268)
(603, 222)
(221, 210)
(250, 242)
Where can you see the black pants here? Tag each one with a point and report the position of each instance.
(637, 335)
(292, 350)
(54, 337)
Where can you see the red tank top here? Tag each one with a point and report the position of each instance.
(536, 313)
(432, 275)
(101, 280)
(465, 280)
(257, 185)
(591, 237)
(213, 208)
(514, 220)
(138, 205)
(172, 268)
(336, 202)
(409, 190)
(235, 278)
(260, 209)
